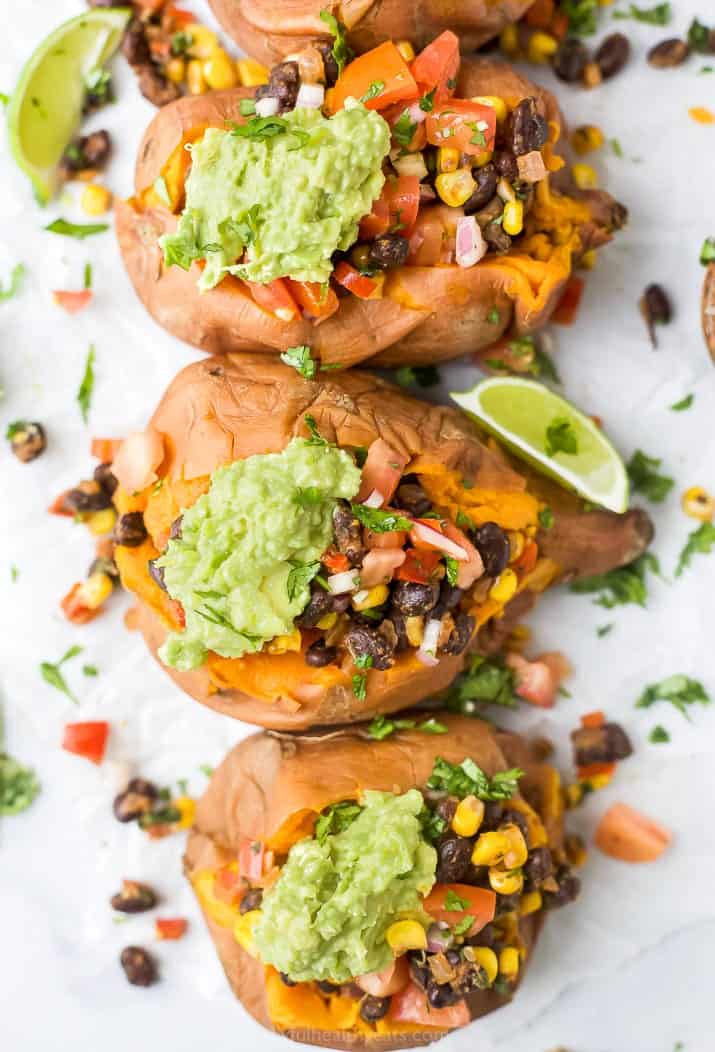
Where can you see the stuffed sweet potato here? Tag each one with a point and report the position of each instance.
(317, 551)
(419, 226)
(425, 864)
(271, 31)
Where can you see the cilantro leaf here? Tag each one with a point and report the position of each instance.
(87, 282)
(342, 52)
(299, 577)
(375, 89)
(699, 37)
(335, 819)
(18, 786)
(403, 129)
(77, 230)
(259, 129)
(359, 685)
(659, 15)
(432, 726)
(679, 690)
(382, 726)
(699, 542)
(658, 734)
(452, 569)
(380, 521)
(427, 101)
(582, 16)
(707, 252)
(316, 439)
(487, 682)
(467, 779)
(16, 275)
(309, 496)
(433, 825)
(424, 375)
(90, 670)
(301, 360)
(684, 403)
(52, 672)
(493, 317)
(86, 387)
(645, 477)
(453, 901)
(561, 437)
(546, 518)
(247, 107)
(603, 630)
(627, 584)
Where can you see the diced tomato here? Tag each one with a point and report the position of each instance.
(59, 507)
(181, 18)
(567, 307)
(316, 300)
(469, 571)
(74, 608)
(389, 539)
(336, 562)
(137, 459)
(557, 663)
(377, 222)
(87, 739)
(396, 209)
(468, 126)
(381, 74)
(593, 719)
(171, 927)
(411, 1006)
(593, 770)
(229, 885)
(382, 471)
(105, 449)
(426, 241)
(559, 25)
(178, 612)
(352, 280)
(540, 14)
(73, 302)
(436, 67)
(481, 903)
(275, 298)
(379, 566)
(419, 565)
(387, 982)
(527, 560)
(250, 859)
(625, 834)
(535, 681)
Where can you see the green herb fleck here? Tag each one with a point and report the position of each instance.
(603, 630)
(16, 275)
(403, 129)
(645, 477)
(658, 734)
(487, 681)
(433, 825)
(77, 230)
(18, 786)
(88, 276)
(493, 317)
(627, 584)
(259, 129)
(452, 569)
(616, 147)
(316, 439)
(659, 15)
(336, 819)
(422, 375)
(561, 437)
(700, 542)
(52, 672)
(699, 37)
(206, 769)
(582, 16)
(684, 403)
(180, 44)
(375, 89)
(90, 670)
(706, 69)
(546, 518)
(84, 394)
(301, 360)
(452, 901)
(679, 690)
(427, 101)
(14, 573)
(247, 107)
(467, 779)
(342, 53)
(707, 252)
(432, 726)
(380, 521)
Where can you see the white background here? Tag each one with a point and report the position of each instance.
(629, 969)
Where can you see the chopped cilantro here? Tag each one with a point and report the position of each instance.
(52, 672)
(88, 276)
(684, 403)
(299, 576)
(359, 685)
(645, 477)
(342, 53)
(375, 89)
(616, 147)
(382, 726)
(561, 437)
(707, 252)
(699, 37)
(603, 630)
(546, 518)
(18, 786)
(582, 15)
(432, 726)
(90, 670)
(181, 42)
(86, 387)
(433, 825)
(627, 584)
(487, 682)
(316, 439)
(259, 129)
(76, 230)
(427, 101)
(16, 275)
(493, 317)
(453, 901)
(699, 542)
(679, 690)
(463, 521)
(658, 734)
(206, 769)
(452, 569)
(335, 819)
(380, 521)
(301, 360)
(542, 366)
(403, 129)
(14, 573)
(467, 779)
(423, 375)
(309, 496)
(659, 15)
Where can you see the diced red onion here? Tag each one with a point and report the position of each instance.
(417, 114)
(375, 500)
(338, 583)
(439, 937)
(438, 540)
(267, 107)
(426, 659)
(427, 653)
(310, 97)
(471, 246)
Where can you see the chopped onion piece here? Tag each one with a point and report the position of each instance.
(375, 500)
(267, 107)
(361, 596)
(310, 97)
(426, 659)
(440, 541)
(416, 113)
(471, 246)
(347, 581)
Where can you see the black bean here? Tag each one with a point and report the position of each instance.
(326, 987)
(570, 60)
(505, 163)
(613, 54)
(446, 808)
(486, 180)
(139, 966)
(318, 654)
(130, 530)
(460, 635)
(493, 811)
(88, 496)
(506, 904)
(135, 46)
(486, 937)
(604, 744)
(454, 855)
(348, 533)
(251, 900)
(286, 979)
(441, 995)
(538, 866)
(419, 970)
(138, 797)
(175, 531)
(569, 889)
(363, 641)
(157, 574)
(413, 599)
(516, 818)
(329, 64)
(656, 309)
(389, 250)
(668, 53)
(157, 88)
(492, 543)
(283, 85)
(27, 440)
(319, 605)
(374, 1008)
(105, 566)
(527, 128)
(449, 596)
(497, 238)
(103, 475)
(411, 497)
(134, 898)
(397, 620)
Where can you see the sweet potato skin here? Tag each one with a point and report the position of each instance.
(428, 314)
(221, 409)
(270, 31)
(267, 778)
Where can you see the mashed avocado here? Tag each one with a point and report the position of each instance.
(327, 914)
(289, 194)
(242, 566)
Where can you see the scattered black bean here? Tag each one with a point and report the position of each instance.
(486, 179)
(516, 818)
(613, 54)
(506, 904)
(449, 596)
(605, 744)
(86, 151)
(486, 937)
(419, 971)
(156, 573)
(319, 605)
(655, 307)
(251, 900)
(496, 238)
(134, 897)
(569, 889)
(137, 798)
(668, 53)
(505, 163)
(88, 496)
(397, 620)
(105, 566)
(348, 533)
(492, 543)
(175, 531)
(28, 441)
(570, 60)
(538, 866)
(330, 66)
(454, 856)
(446, 808)
(318, 654)
(362, 641)
(441, 995)
(411, 497)
(283, 85)
(527, 128)
(460, 635)
(326, 987)
(374, 1008)
(493, 811)
(130, 530)
(389, 250)
(412, 599)
(135, 46)
(139, 966)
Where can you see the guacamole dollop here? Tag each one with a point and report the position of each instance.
(241, 568)
(327, 914)
(289, 195)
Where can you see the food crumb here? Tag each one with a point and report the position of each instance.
(701, 114)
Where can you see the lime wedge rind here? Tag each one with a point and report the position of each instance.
(103, 29)
(596, 473)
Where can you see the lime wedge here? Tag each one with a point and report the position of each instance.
(46, 106)
(520, 413)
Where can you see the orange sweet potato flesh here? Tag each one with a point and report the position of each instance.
(270, 784)
(271, 30)
(222, 409)
(427, 314)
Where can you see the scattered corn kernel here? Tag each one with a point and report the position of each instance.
(375, 597)
(101, 522)
(506, 881)
(599, 781)
(219, 71)
(504, 587)
(251, 74)
(282, 644)
(447, 159)
(586, 138)
(378, 281)
(195, 79)
(327, 622)
(455, 188)
(591, 75)
(509, 40)
(468, 816)
(478, 160)
(588, 259)
(698, 503)
(95, 200)
(311, 68)
(490, 849)
(496, 103)
(415, 629)
(585, 176)
(175, 69)
(186, 806)
(701, 114)
(411, 164)
(95, 590)
(575, 849)
(516, 544)
(406, 50)
(509, 962)
(518, 852)
(406, 935)
(513, 222)
(541, 47)
(486, 959)
(203, 41)
(243, 931)
(530, 903)
(573, 795)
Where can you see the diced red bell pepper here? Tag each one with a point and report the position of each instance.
(379, 78)
(59, 507)
(87, 739)
(467, 126)
(319, 301)
(74, 608)
(336, 562)
(419, 566)
(352, 280)
(73, 302)
(275, 298)
(181, 18)
(250, 859)
(382, 471)
(105, 449)
(436, 67)
(594, 719)
(171, 927)
(568, 305)
(481, 904)
(527, 560)
(592, 770)
(540, 14)
(395, 209)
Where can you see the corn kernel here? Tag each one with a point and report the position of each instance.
(243, 931)
(406, 935)
(455, 188)
(327, 622)
(513, 222)
(478, 160)
(282, 644)
(516, 544)
(219, 71)
(486, 959)
(509, 962)
(588, 259)
(415, 629)
(375, 597)
(186, 806)
(598, 781)
(573, 795)
(447, 159)
(698, 504)
(497, 104)
(518, 852)
(251, 74)
(586, 139)
(101, 522)
(203, 41)
(95, 590)
(195, 80)
(505, 190)
(406, 50)
(575, 849)
(530, 903)
(585, 176)
(95, 200)
(175, 69)
(541, 47)
(509, 40)
(379, 282)
(592, 75)
(505, 881)
(468, 816)
(504, 587)
(490, 849)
